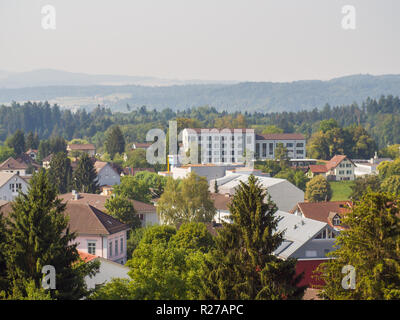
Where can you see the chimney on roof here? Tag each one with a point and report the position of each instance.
(75, 195)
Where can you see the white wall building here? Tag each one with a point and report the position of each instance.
(229, 146)
(10, 183)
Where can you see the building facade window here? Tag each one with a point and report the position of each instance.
(91, 247)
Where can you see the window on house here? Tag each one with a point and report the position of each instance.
(110, 249)
(336, 220)
(299, 145)
(91, 247)
(116, 246)
(122, 244)
(311, 253)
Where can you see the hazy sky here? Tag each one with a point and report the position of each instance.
(255, 40)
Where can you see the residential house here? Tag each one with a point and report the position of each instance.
(12, 165)
(147, 212)
(10, 184)
(107, 175)
(307, 240)
(108, 270)
(97, 232)
(32, 153)
(90, 149)
(46, 161)
(330, 212)
(337, 169)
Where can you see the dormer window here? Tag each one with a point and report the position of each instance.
(336, 220)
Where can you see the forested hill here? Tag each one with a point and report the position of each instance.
(380, 117)
(250, 96)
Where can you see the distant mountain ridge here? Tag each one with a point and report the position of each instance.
(51, 77)
(245, 96)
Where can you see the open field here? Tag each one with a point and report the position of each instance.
(341, 190)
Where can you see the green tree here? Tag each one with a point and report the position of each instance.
(272, 129)
(3, 271)
(123, 210)
(6, 152)
(160, 268)
(17, 142)
(134, 189)
(38, 235)
(60, 172)
(115, 142)
(32, 141)
(85, 176)
(391, 185)
(318, 189)
(364, 184)
(186, 201)
(137, 159)
(243, 265)
(272, 167)
(387, 169)
(193, 236)
(371, 246)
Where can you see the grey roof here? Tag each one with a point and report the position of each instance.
(298, 231)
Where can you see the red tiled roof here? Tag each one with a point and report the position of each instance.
(318, 168)
(86, 257)
(280, 136)
(322, 211)
(334, 162)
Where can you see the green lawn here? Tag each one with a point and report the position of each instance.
(341, 190)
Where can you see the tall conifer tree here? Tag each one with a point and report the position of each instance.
(38, 235)
(85, 176)
(243, 265)
(60, 172)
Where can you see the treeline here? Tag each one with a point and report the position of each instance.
(380, 118)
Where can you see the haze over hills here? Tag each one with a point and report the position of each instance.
(76, 90)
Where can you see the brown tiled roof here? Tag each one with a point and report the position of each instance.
(280, 136)
(99, 201)
(81, 147)
(12, 164)
(221, 201)
(318, 168)
(334, 162)
(321, 211)
(85, 219)
(142, 145)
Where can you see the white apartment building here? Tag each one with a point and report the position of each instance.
(266, 144)
(229, 146)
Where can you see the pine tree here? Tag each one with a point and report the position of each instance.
(38, 235)
(17, 142)
(85, 176)
(60, 172)
(371, 246)
(115, 142)
(243, 265)
(3, 273)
